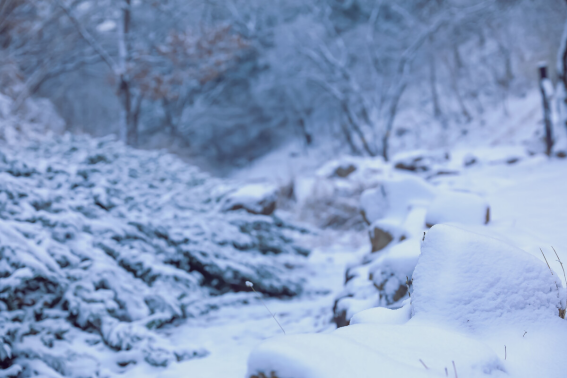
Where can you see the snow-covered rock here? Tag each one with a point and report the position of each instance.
(383, 232)
(352, 168)
(255, 198)
(474, 281)
(394, 198)
(419, 160)
(392, 273)
(458, 207)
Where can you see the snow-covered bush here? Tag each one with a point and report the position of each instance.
(100, 245)
(479, 308)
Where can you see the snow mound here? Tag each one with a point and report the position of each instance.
(383, 315)
(101, 245)
(474, 281)
(458, 207)
(394, 198)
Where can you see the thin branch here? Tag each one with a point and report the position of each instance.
(89, 38)
(559, 260)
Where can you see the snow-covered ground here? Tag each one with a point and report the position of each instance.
(527, 209)
(477, 300)
(231, 333)
(116, 262)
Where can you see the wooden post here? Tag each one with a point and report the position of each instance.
(545, 88)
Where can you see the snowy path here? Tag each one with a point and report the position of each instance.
(230, 333)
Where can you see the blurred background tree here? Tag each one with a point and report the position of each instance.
(222, 82)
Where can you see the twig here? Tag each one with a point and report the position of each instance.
(423, 363)
(559, 260)
(546, 262)
(524, 333)
(505, 353)
(251, 286)
(455, 368)
(446, 372)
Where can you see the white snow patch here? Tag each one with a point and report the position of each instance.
(458, 207)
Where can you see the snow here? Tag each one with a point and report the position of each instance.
(383, 315)
(118, 262)
(474, 282)
(395, 197)
(471, 292)
(458, 207)
(104, 246)
(258, 198)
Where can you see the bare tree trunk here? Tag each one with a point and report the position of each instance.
(433, 85)
(128, 128)
(348, 138)
(562, 73)
(545, 87)
(306, 134)
(392, 112)
(352, 120)
(455, 87)
(136, 115)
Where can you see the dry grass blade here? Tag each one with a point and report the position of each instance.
(562, 268)
(455, 368)
(423, 363)
(251, 286)
(546, 262)
(562, 311)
